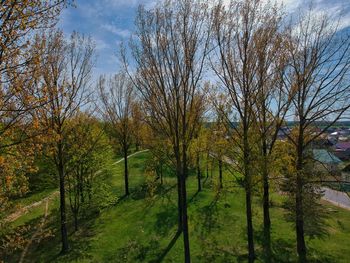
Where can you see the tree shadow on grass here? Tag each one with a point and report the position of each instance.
(166, 219)
(208, 227)
(167, 249)
(48, 250)
(210, 216)
(133, 251)
(284, 251)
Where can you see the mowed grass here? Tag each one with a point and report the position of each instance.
(141, 228)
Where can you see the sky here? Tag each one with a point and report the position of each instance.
(109, 22)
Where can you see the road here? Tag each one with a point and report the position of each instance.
(336, 197)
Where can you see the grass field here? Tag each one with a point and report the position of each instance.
(142, 229)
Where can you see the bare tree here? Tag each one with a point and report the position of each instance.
(169, 49)
(117, 100)
(66, 68)
(318, 77)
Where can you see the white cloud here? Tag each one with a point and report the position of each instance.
(123, 33)
(128, 3)
(100, 44)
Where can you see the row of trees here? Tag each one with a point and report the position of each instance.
(268, 70)
(46, 111)
(19, 97)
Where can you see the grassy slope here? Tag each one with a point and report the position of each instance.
(140, 229)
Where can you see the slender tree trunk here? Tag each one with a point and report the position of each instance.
(248, 179)
(183, 177)
(64, 234)
(301, 247)
(198, 174)
(81, 185)
(179, 197)
(207, 165)
(266, 207)
(220, 174)
(267, 220)
(161, 174)
(126, 171)
(89, 187)
(251, 255)
(299, 213)
(76, 220)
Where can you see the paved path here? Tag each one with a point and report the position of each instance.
(336, 198)
(37, 233)
(131, 155)
(24, 210)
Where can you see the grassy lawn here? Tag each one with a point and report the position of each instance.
(140, 228)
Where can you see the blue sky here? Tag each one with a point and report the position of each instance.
(109, 22)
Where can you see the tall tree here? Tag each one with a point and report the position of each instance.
(271, 105)
(66, 68)
(169, 49)
(235, 62)
(20, 20)
(117, 95)
(317, 76)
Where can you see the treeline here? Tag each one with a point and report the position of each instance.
(245, 62)
(248, 63)
(51, 124)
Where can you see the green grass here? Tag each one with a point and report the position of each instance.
(141, 229)
(34, 213)
(29, 199)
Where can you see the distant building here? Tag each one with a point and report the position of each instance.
(326, 161)
(342, 150)
(325, 157)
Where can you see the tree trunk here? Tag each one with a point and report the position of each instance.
(267, 221)
(248, 184)
(266, 206)
(64, 235)
(179, 197)
(81, 185)
(220, 174)
(251, 253)
(183, 176)
(126, 172)
(75, 220)
(198, 174)
(299, 214)
(161, 174)
(207, 165)
(301, 247)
